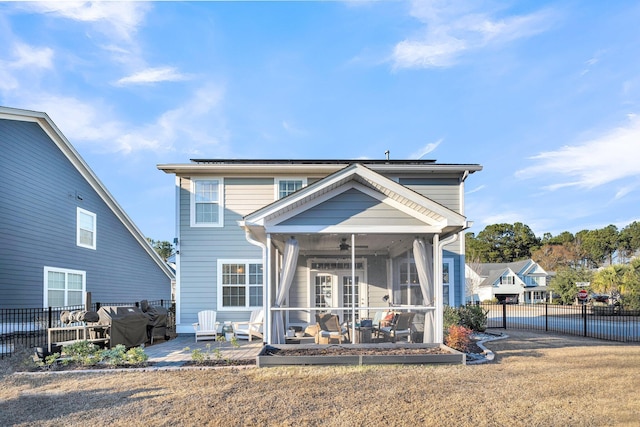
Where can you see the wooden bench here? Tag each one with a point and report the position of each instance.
(81, 333)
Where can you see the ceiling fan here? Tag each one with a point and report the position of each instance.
(344, 246)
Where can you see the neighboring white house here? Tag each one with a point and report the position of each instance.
(513, 282)
(299, 237)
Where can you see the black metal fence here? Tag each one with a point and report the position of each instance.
(602, 322)
(27, 327)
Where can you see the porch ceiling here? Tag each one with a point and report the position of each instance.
(365, 244)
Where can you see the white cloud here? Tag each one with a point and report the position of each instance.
(153, 75)
(25, 60)
(608, 158)
(189, 128)
(116, 19)
(475, 190)
(195, 125)
(453, 28)
(28, 56)
(426, 149)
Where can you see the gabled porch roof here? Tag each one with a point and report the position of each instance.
(384, 207)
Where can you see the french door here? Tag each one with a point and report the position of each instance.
(333, 292)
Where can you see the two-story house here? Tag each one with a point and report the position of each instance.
(513, 282)
(298, 237)
(63, 233)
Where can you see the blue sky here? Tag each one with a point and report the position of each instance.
(544, 95)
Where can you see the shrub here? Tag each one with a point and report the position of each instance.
(458, 337)
(473, 317)
(451, 317)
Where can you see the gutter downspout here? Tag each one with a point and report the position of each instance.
(265, 279)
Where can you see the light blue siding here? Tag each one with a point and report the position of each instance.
(353, 208)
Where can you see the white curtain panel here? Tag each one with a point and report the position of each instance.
(289, 262)
(423, 255)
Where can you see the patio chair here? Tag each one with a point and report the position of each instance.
(379, 320)
(401, 327)
(252, 328)
(329, 328)
(207, 327)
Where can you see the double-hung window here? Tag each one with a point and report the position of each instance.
(86, 228)
(206, 202)
(240, 284)
(286, 186)
(63, 287)
(507, 280)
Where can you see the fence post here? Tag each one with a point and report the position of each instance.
(504, 316)
(546, 317)
(584, 318)
(50, 320)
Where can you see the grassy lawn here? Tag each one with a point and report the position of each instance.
(536, 380)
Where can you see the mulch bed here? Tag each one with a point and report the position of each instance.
(350, 351)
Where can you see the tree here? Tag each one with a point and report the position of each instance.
(554, 256)
(504, 243)
(162, 248)
(629, 240)
(608, 279)
(630, 286)
(475, 249)
(599, 245)
(564, 283)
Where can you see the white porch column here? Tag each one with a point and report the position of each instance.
(266, 272)
(437, 284)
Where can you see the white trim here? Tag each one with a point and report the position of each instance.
(356, 229)
(220, 202)
(276, 180)
(246, 262)
(66, 271)
(452, 280)
(80, 211)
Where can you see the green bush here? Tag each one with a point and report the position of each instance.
(473, 317)
(88, 354)
(451, 317)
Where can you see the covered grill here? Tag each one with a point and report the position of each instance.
(128, 325)
(157, 320)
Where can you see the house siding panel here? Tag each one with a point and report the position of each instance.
(201, 247)
(445, 191)
(38, 219)
(352, 208)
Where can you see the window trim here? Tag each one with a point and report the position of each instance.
(66, 272)
(277, 181)
(452, 280)
(79, 212)
(220, 285)
(220, 202)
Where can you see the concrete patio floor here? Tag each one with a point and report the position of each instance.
(172, 353)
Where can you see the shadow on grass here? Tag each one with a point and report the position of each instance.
(46, 405)
(529, 344)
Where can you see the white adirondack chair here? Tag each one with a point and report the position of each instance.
(207, 327)
(252, 328)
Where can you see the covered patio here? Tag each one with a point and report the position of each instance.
(352, 244)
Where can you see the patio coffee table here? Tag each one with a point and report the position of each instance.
(363, 335)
